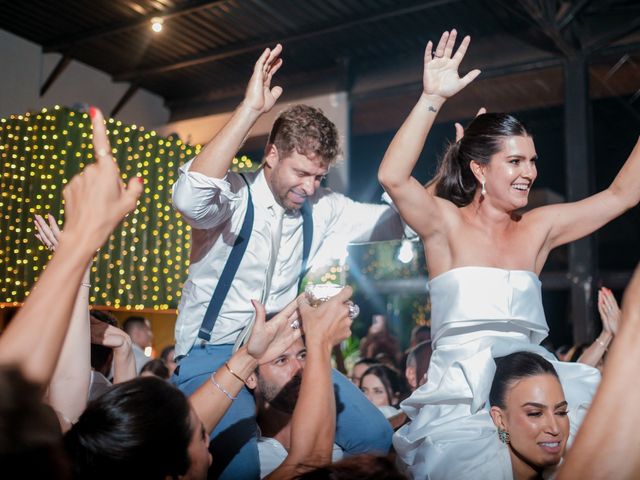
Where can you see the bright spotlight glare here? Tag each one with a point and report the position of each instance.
(156, 25)
(405, 255)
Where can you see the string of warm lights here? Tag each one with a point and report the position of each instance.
(145, 260)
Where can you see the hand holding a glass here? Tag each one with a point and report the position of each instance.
(329, 322)
(319, 293)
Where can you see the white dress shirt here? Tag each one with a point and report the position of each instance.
(215, 209)
(272, 453)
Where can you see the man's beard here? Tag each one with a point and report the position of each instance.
(283, 399)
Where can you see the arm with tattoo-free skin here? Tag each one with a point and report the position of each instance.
(69, 384)
(610, 315)
(95, 202)
(607, 445)
(313, 424)
(267, 341)
(124, 363)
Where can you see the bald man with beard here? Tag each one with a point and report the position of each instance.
(276, 386)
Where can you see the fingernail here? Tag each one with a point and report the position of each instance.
(92, 111)
(140, 179)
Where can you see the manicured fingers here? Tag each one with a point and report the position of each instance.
(482, 111)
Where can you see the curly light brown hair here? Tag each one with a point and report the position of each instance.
(306, 130)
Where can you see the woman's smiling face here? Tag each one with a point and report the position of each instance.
(535, 416)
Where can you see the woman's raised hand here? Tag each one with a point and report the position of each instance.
(48, 233)
(440, 76)
(609, 310)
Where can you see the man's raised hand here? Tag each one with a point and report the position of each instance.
(260, 96)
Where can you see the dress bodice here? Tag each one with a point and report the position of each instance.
(477, 314)
(471, 301)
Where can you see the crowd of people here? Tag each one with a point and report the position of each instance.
(249, 390)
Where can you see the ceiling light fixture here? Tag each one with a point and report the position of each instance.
(156, 24)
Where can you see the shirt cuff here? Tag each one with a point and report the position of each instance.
(200, 181)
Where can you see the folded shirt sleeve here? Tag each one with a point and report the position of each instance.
(203, 201)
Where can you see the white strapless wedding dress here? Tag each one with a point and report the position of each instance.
(478, 314)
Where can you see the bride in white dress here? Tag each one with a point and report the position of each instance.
(484, 259)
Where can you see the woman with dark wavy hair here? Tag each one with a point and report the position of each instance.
(484, 258)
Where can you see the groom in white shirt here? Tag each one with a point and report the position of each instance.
(252, 237)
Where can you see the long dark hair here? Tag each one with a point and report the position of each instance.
(394, 382)
(137, 429)
(513, 367)
(30, 435)
(482, 139)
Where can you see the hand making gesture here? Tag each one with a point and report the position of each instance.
(260, 96)
(270, 338)
(97, 200)
(440, 76)
(609, 311)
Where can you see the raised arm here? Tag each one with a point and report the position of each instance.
(418, 207)
(124, 363)
(313, 423)
(571, 221)
(610, 315)
(95, 202)
(69, 385)
(614, 413)
(215, 158)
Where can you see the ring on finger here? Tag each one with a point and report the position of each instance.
(295, 324)
(354, 310)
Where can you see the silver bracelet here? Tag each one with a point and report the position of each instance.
(222, 389)
(88, 285)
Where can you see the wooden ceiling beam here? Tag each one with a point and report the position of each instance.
(235, 50)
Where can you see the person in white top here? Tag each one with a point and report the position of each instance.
(484, 258)
(252, 236)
